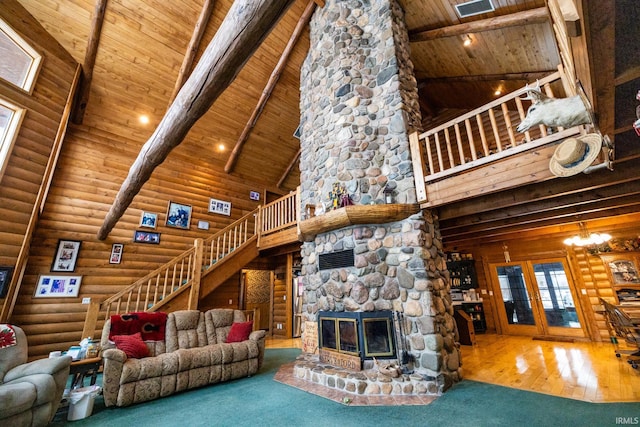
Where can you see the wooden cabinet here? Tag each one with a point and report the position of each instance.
(623, 270)
(475, 310)
(463, 274)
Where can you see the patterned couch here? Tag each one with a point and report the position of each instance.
(193, 354)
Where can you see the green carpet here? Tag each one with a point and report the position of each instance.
(261, 401)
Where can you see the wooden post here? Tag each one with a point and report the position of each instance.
(91, 319)
(247, 23)
(417, 158)
(194, 292)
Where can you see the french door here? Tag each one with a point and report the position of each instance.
(537, 298)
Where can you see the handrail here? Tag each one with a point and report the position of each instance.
(229, 239)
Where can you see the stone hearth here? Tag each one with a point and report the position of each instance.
(364, 388)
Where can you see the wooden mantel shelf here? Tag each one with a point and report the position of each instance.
(355, 215)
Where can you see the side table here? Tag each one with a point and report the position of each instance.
(83, 368)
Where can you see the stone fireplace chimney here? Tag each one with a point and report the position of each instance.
(359, 103)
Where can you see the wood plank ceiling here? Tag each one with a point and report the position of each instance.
(143, 43)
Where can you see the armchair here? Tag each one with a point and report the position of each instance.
(30, 392)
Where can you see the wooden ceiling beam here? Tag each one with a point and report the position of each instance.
(292, 163)
(194, 46)
(271, 84)
(531, 16)
(82, 98)
(527, 76)
(246, 25)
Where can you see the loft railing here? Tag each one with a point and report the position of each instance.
(480, 137)
(278, 215)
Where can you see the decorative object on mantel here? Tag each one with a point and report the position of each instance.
(338, 197)
(591, 241)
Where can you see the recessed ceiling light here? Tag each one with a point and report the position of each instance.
(144, 119)
(497, 92)
(221, 147)
(467, 40)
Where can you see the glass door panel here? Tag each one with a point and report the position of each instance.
(560, 315)
(517, 307)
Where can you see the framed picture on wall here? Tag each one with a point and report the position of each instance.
(179, 215)
(57, 286)
(622, 269)
(5, 279)
(116, 253)
(146, 237)
(220, 207)
(148, 220)
(66, 256)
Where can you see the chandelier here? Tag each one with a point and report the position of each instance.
(587, 239)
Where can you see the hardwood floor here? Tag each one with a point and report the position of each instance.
(578, 370)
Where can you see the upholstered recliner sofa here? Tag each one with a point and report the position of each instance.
(30, 392)
(194, 353)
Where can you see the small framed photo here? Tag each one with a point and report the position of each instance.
(220, 207)
(57, 286)
(5, 280)
(146, 237)
(116, 253)
(203, 225)
(148, 220)
(254, 195)
(179, 215)
(66, 256)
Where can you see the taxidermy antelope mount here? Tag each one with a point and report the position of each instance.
(554, 112)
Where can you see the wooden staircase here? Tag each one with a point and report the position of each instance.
(182, 282)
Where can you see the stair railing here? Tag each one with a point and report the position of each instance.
(183, 272)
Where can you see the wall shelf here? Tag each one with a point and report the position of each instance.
(355, 215)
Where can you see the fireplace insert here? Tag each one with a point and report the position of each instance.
(363, 334)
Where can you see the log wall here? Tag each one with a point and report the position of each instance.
(29, 157)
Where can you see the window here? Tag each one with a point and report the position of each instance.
(10, 119)
(19, 65)
(20, 62)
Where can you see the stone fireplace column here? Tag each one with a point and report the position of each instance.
(359, 103)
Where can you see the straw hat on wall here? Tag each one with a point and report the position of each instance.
(574, 155)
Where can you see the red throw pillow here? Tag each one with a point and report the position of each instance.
(240, 331)
(132, 345)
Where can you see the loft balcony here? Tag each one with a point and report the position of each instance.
(480, 152)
